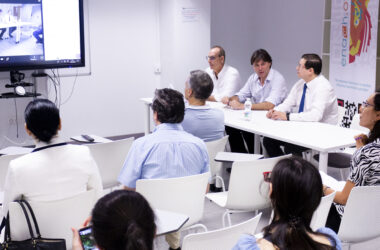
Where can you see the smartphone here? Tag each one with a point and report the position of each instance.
(87, 239)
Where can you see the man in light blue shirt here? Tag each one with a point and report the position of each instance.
(266, 88)
(169, 151)
(200, 119)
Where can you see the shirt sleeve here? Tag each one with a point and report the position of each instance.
(232, 85)
(320, 101)
(94, 181)
(131, 170)
(290, 101)
(246, 242)
(245, 92)
(11, 189)
(278, 91)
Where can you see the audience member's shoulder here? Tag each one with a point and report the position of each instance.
(332, 234)
(246, 242)
(231, 69)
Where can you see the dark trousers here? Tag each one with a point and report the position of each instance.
(11, 30)
(273, 148)
(236, 138)
(333, 219)
(2, 31)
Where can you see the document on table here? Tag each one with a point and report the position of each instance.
(331, 182)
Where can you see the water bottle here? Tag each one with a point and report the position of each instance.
(247, 109)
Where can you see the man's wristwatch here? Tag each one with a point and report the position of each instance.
(287, 116)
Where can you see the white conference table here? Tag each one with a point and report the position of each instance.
(318, 136)
(169, 222)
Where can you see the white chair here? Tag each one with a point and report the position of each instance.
(220, 239)
(246, 192)
(185, 195)
(110, 157)
(361, 217)
(213, 147)
(4, 163)
(55, 218)
(321, 213)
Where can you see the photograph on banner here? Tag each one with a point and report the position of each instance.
(353, 45)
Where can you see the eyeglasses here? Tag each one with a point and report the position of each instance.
(211, 58)
(366, 104)
(267, 176)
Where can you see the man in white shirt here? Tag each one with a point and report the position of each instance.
(312, 99)
(265, 88)
(226, 79)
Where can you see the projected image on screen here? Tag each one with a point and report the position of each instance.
(37, 34)
(21, 32)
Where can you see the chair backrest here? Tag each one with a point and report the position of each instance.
(183, 195)
(55, 218)
(321, 213)
(361, 217)
(4, 163)
(247, 189)
(110, 157)
(214, 147)
(220, 239)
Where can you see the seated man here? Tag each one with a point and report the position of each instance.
(312, 99)
(200, 119)
(266, 88)
(166, 153)
(226, 79)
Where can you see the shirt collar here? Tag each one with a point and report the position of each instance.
(55, 140)
(168, 126)
(313, 83)
(206, 106)
(268, 79)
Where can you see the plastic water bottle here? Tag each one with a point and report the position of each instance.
(247, 109)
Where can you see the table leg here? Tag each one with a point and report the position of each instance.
(147, 119)
(257, 144)
(323, 160)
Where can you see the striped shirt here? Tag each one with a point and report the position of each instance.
(166, 153)
(365, 168)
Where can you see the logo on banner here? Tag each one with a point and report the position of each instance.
(360, 28)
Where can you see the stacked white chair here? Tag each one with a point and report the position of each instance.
(247, 190)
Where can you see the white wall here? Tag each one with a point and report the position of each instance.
(286, 29)
(184, 41)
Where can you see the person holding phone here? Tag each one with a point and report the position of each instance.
(121, 220)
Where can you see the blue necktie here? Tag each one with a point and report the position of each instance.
(302, 103)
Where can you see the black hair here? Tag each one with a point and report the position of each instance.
(201, 84)
(222, 52)
(375, 132)
(296, 194)
(261, 54)
(123, 220)
(169, 105)
(313, 61)
(42, 119)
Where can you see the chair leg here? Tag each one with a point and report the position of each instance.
(227, 214)
(221, 181)
(341, 174)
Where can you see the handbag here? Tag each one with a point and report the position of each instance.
(35, 242)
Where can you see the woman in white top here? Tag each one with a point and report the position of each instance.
(54, 170)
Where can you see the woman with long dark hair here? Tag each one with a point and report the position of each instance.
(295, 193)
(365, 163)
(121, 220)
(54, 169)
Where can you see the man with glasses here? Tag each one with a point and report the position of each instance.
(312, 99)
(226, 79)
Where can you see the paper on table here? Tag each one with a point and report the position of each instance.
(12, 150)
(331, 182)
